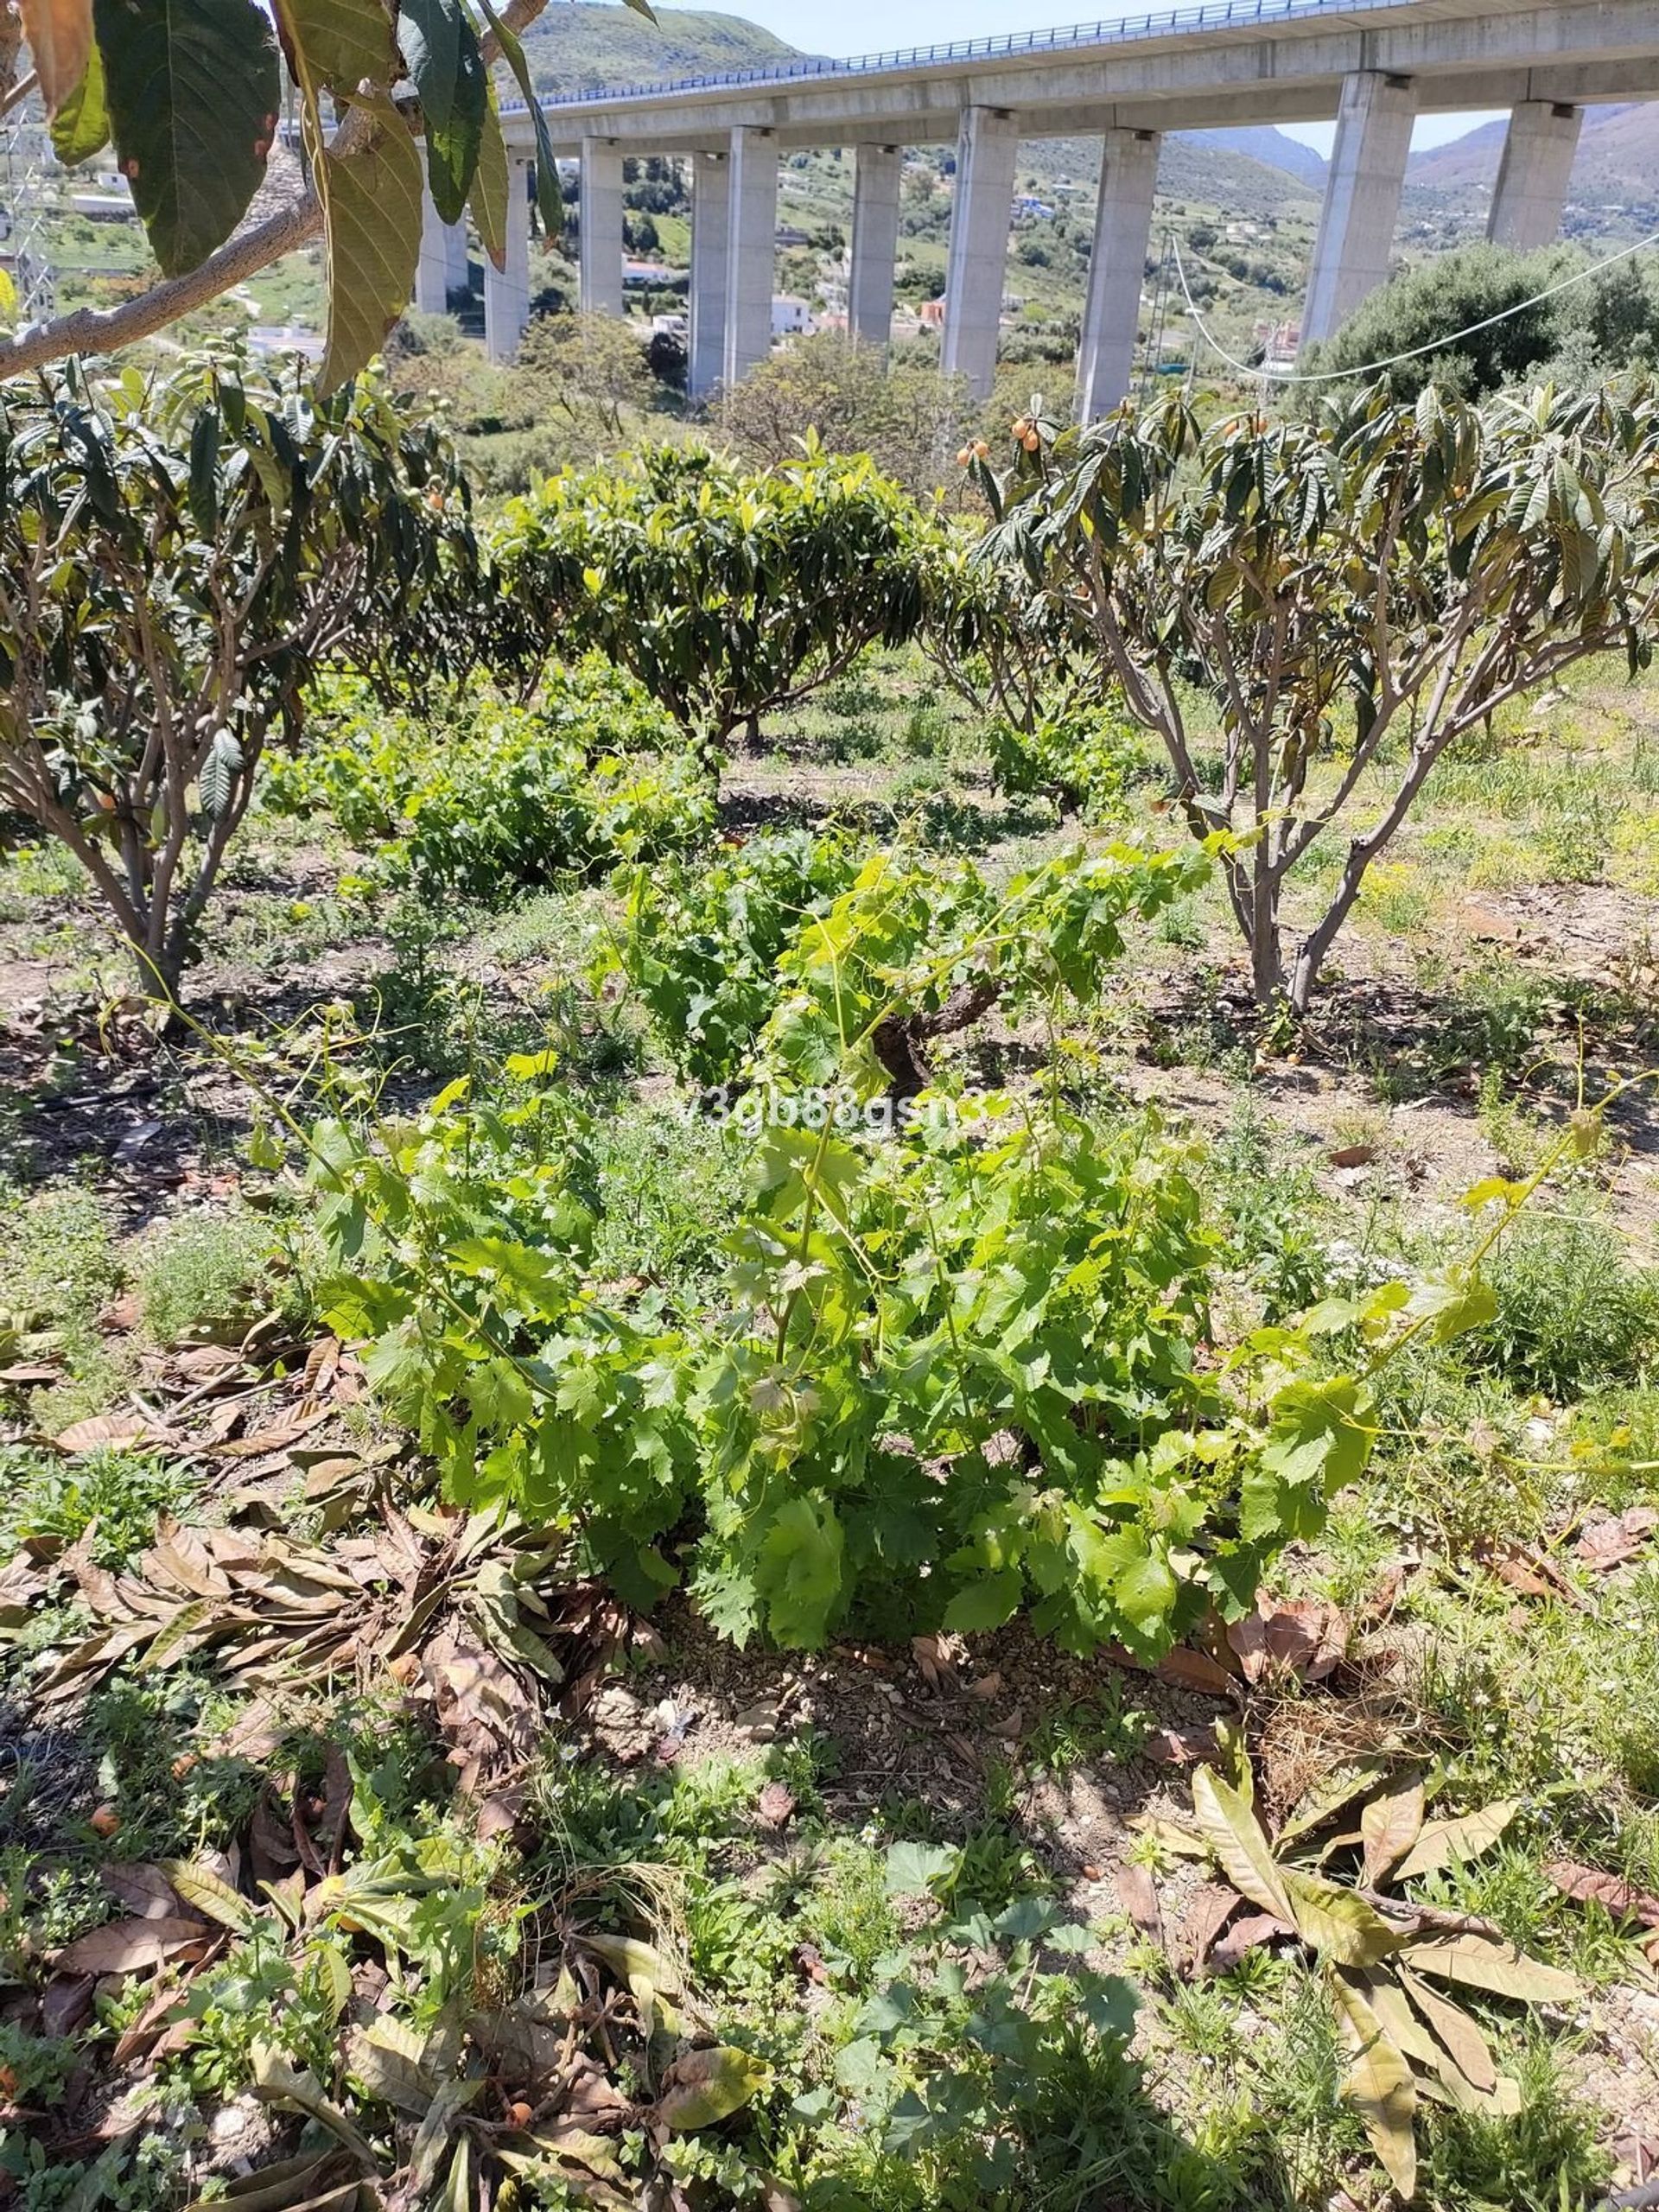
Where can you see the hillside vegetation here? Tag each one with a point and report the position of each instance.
(832, 1339)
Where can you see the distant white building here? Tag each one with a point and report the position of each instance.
(791, 318)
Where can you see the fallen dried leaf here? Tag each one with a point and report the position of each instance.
(1607, 1544)
(1620, 1899)
(1211, 1905)
(1181, 1746)
(1185, 1669)
(125, 1946)
(145, 1891)
(775, 1805)
(67, 2004)
(1138, 1895)
(110, 1432)
(1244, 1935)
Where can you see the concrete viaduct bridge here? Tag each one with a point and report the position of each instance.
(1375, 65)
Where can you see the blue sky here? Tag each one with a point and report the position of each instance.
(874, 26)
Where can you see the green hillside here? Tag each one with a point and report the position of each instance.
(578, 45)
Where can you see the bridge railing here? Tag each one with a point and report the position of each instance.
(1208, 14)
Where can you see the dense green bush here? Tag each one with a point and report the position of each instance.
(1087, 759)
(725, 594)
(1571, 1313)
(1606, 323)
(183, 557)
(483, 796)
(956, 1368)
(701, 946)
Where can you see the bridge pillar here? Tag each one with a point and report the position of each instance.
(705, 351)
(1532, 177)
(1361, 198)
(988, 144)
(441, 268)
(751, 250)
(876, 243)
(1117, 262)
(600, 227)
(506, 291)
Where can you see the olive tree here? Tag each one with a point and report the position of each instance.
(728, 595)
(177, 562)
(1309, 613)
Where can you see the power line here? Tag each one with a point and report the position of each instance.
(1412, 352)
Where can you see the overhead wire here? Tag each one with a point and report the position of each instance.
(1409, 353)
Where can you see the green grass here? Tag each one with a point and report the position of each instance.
(799, 1945)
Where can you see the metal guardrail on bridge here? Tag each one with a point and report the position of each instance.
(1210, 14)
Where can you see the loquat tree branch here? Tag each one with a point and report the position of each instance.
(105, 330)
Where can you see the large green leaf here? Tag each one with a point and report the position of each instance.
(446, 66)
(372, 206)
(192, 88)
(1378, 2084)
(1235, 1835)
(704, 2086)
(81, 126)
(1342, 1927)
(1319, 1439)
(337, 44)
(488, 197)
(799, 1569)
(547, 172)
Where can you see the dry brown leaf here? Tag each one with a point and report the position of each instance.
(1185, 1669)
(1244, 1935)
(1138, 1895)
(775, 1805)
(145, 1891)
(1444, 1843)
(110, 1432)
(125, 1946)
(1390, 1824)
(1609, 1543)
(937, 1657)
(30, 1375)
(60, 33)
(1476, 1963)
(1465, 2044)
(1530, 1573)
(67, 2004)
(1209, 1908)
(1181, 1746)
(1620, 1899)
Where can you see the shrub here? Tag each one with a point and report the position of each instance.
(727, 595)
(1572, 1312)
(180, 560)
(1086, 762)
(490, 796)
(702, 948)
(1356, 595)
(951, 1373)
(904, 414)
(1609, 322)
